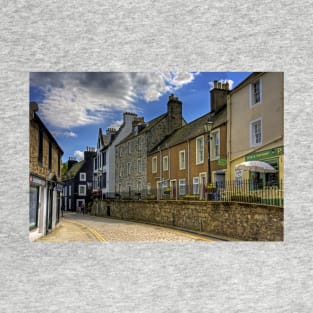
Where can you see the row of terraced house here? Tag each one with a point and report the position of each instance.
(169, 158)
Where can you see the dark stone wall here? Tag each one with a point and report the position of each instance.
(241, 221)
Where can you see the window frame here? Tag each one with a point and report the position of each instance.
(154, 165)
(198, 139)
(252, 101)
(180, 186)
(50, 155)
(165, 162)
(182, 152)
(215, 134)
(40, 146)
(82, 174)
(253, 142)
(79, 191)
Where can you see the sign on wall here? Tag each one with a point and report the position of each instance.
(265, 154)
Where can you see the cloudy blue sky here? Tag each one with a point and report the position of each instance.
(75, 105)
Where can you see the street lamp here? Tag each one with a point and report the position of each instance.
(207, 128)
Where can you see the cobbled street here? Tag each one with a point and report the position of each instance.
(84, 228)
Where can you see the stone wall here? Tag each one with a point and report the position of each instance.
(242, 221)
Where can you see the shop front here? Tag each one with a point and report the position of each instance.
(273, 157)
(37, 186)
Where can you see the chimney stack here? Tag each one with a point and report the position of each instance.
(71, 161)
(33, 107)
(174, 111)
(89, 153)
(219, 95)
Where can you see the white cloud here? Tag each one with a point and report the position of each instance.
(64, 133)
(70, 134)
(116, 124)
(230, 82)
(79, 155)
(77, 99)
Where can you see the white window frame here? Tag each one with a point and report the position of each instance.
(252, 94)
(82, 176)
(82, 193)
(182, 186)
(196, 185)
(165, 163)
(253, 142)
(198, 159)
(215, 134)
(154, 164)
(182, 165)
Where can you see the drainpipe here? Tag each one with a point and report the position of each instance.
(228, 134)
(188, 165)
(169, 163)
(160, 173)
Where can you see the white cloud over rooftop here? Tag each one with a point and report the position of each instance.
(78, 99)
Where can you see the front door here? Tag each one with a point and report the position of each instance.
(173, 186)
(79, 203)
(202, 185)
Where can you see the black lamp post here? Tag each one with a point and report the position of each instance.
(208, 127)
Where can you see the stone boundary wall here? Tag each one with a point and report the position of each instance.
(237, 220)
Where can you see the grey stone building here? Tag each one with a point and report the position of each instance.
(131, 153)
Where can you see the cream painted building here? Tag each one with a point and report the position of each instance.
(255, 126)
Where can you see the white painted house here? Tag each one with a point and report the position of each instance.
(104, 162)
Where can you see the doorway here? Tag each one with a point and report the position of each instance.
(173, 186)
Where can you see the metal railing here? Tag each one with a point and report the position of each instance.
(270, 193)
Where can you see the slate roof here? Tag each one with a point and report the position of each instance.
(192, 130)
(72, 172)
(148, 126)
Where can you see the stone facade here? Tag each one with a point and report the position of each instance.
(42, 169)
(239, 221)
(131, 153)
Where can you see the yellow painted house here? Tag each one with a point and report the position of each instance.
(255, 127)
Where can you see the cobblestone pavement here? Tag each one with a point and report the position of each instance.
(77, 227)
